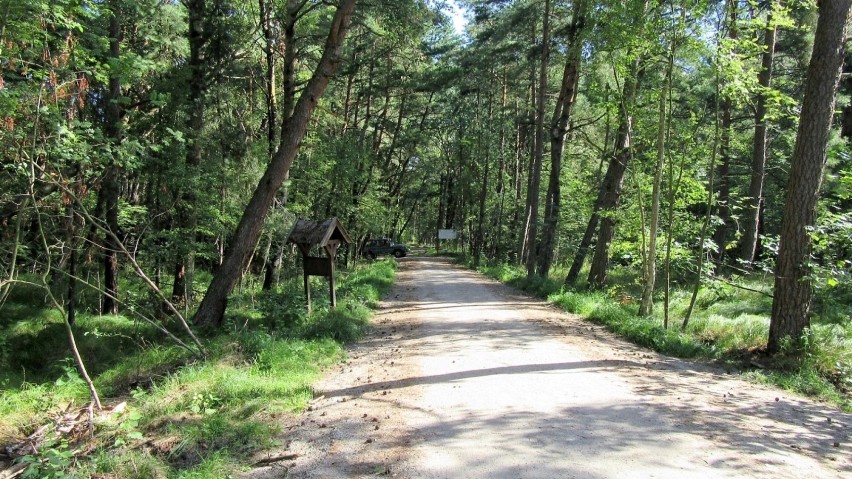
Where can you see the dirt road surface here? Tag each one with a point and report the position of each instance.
(463, 377)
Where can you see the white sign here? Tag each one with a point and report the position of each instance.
(446, 234)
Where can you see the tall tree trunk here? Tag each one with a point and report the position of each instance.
(702, 236)
(528, 123)
(674, 185)
(723, 209)
(442, 210)
(518, 184)
(585, 241)
(71, 238)
(497, 243)
(751, 218)
(483, 192)
(613, 183)
(212, 307)
(110, 187)
(646, 306)
(266, 26)
(558, 129)
(792, 301)
(291, 15)
(722, 231)
(187, 216)
(592, 225)
(538, 153)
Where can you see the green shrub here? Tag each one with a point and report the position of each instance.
(213, 412)
(346, 323)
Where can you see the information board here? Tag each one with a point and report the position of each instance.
(447, 234)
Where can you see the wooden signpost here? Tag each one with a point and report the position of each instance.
(327, 234)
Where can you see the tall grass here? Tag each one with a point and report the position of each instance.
(184, 417)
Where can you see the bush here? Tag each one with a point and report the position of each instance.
(206, 415)
(345, 324)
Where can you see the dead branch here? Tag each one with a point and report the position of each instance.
(276, 458)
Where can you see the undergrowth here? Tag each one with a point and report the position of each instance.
(730, 323)
(169, 414)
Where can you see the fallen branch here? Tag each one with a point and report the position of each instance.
(13, 471)
(277, 458)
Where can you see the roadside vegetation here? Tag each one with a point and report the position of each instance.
(730, 324)
(167, 413)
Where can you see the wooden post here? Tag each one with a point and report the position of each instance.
(306, 249)
(331, 284)
(307, 290)
(331, 250)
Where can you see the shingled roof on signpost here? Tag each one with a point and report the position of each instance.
(312, 232)
(327, 234)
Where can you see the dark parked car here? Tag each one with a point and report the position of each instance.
(383, 246)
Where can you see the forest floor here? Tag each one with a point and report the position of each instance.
(464, 377)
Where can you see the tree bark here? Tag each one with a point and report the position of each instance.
(721, 233)
(585, 241)
(497, 242)
(71, 299)
(646, 306)
(613, 183)
(186, 216)
(592, 225)
(558, 130)
(529, 119)
(271, 88)
(110, 186)
(538, 153)
(792, 300)
(212, 308)
(291, 15)
(748, 249)
(483, 192)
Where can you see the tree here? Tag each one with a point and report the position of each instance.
(613, 182)
(534, 185)
(748, 248)
(559, 125)
(793, 289)
(723, 202)
(187, 214)
(611, 188)
(109, 193)
(646, 307)
(212, 308)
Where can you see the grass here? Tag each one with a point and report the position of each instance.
(184, 417)
(730, 323)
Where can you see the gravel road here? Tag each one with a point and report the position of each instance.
(463, 377)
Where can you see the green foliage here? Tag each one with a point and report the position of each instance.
(832, 244)
(207, 414)
(52, 462)
(731, 322)
(22, 404)
(344, 324)
(129, 464)
(142, 369)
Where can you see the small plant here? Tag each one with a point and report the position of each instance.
(127, 429)
(204, 403)
(52, 461)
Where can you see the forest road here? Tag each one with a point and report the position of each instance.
(462, 377)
